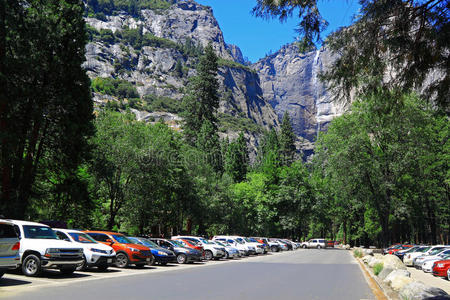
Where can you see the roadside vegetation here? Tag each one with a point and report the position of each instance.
(379, 174)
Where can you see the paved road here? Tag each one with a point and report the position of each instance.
(302, 274)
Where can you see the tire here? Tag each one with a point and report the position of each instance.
(208, 255)
(273, 249)
(181, 258)
(31, 266)
(152, 261)
(140, 266)
(2, 273)
(304, 246)
(67, 270)
(102, 268)
(319, 247)
(122, 260)
(83, 265)
(163, 263)
(226, 255)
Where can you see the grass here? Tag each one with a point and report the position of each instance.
(377, 268)
(358, 253)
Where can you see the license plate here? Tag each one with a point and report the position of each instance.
(109, 260)
(148, 259)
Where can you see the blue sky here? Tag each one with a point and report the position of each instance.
(256, 36)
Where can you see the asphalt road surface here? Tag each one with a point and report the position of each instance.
(301, 274)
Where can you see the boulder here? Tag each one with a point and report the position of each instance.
(393, 262)
(399, 282)
(396, 274)
(385, 272)
(347, 247)
(366, 259)
(374, 261)
(368, 251)
(417, 290)
(378, 255)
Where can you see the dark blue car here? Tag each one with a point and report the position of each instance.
(162, 256)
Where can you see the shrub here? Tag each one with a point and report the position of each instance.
(377, 268)
(357, 253)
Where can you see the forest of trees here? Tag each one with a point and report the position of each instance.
(379, 174)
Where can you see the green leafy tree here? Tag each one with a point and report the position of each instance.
(45, 102)
(236, 158)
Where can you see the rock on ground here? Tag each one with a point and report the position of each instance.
(366, 259)
(417, 290)
(396, 274)
(393, 262)
(399, 282)
(385, 272)
(374, 261)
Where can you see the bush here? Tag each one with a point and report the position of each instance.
(114, 87)
(159, 103)
(358, 253)
(377, 268)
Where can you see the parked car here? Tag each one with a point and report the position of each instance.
(401, 253)
(427, 265)
(259, 247)
(41, 249)
(448, 274)
(441, 267)
(330, 244)
(394, 246)
(399, 248)
(9, 247)
(127, 252)
(429, 254)
(240, 245)
(230, 252)
(315, 243)
(184, 253)
(192, 245)
(408, 258)
(265, 242)
(212, 251)
(95, 254)
(161, 255)
(282, 246)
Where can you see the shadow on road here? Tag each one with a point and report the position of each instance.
(4, 282)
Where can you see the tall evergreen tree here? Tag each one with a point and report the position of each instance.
(45, 102)
(236, 159)
(203, 99)
(287, 141)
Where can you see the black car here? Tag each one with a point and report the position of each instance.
(162, 256)
(183, 254)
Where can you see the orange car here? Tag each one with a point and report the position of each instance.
(127, 252)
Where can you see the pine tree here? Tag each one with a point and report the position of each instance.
(208, 141)
(236, 159)
(287, 141)
(203, 99)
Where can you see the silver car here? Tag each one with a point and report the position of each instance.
(9, 247)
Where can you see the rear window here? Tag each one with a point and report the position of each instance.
(7, 231)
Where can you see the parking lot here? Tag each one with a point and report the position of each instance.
(299, 274)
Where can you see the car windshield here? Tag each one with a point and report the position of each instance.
(412, 249)
(149, 243)
(240, 241)
(436, 251)
(205, 241)
(253, 240)
(179, 243)
(422, 250)
(39, 232)
(82, 238)
(219, 243)
(121, 239)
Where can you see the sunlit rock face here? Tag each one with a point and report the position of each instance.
(290, 82)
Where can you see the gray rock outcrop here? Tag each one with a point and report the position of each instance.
(417, 290)
(290, 82)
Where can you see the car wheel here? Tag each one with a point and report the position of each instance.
(304, 246)
(208, 255)
(121, 260)
(152, 261)
(103, 268)
(273, 249)
(66, 270)
(181, 258)
(226, 255)
(319, 247)
(83, 265)
(31, 265)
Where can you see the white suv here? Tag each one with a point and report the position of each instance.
(41, 249)
(314, 243)
(212, 251)
(243, 249)
(9, 247)
(95, 254)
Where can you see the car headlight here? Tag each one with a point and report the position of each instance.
(52, 250)
(98, 251)
(162, 253)
(440, 265)
(133, 249)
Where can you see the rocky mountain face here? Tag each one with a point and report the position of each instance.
(157, 50)
(290, 82)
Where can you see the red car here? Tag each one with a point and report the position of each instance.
(440, 268)
(398, 248)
